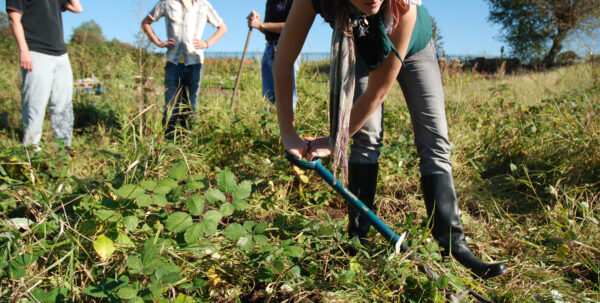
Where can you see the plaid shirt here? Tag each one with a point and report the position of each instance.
(184, 24)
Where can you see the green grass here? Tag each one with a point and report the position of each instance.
(219, 216)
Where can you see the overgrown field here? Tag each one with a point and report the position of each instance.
(220, 216)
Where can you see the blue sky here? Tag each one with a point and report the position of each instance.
(463, 24)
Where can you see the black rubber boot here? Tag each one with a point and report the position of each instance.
(441, 202)
(362, 183)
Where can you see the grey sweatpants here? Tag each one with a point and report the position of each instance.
(50, 80)
(421, 84)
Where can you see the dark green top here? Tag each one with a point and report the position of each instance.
(375, 46)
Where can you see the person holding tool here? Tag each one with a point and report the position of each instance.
(376, 43)
(45, 67)
(185, 21)
(275, 16)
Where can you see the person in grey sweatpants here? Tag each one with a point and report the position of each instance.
(45, 68)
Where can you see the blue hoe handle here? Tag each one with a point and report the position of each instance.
(316, 165)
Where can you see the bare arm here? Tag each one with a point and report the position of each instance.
(221, 30)
(290, 44)
(25, 60)
(381, 80)
(383, 77)
(147, 28)
(275, 27)
(254, 22)
(74, 6)
(201, 44)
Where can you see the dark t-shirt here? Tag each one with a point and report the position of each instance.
(42, 22)
(375, 45)
(277, 11)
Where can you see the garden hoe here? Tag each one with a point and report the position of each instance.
(396, 240)
(237, 79)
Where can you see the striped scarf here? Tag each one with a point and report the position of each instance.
(341, 96)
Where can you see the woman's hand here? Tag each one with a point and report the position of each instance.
(319, 148)
(294, 145)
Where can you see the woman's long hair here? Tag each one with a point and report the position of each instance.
(340, 10)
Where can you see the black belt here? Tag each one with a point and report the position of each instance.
(272, 42)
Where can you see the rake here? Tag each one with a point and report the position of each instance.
(398, 241)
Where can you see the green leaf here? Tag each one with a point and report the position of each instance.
(194, 233)
(58, 294)
(148, 185)
(261, 239)
(135, 264)
(242, 190)
(104, 246)
(130, 191)
(123, 240)
(95, 291)
(235, 231)
(226, 181)
(144, 200)
(24, 260)
(130, 222)
(167, 275)
(153, 292)
(195, 204)
(260, 227)
(164, 186)
(17, 273)
(178, 171)
(178, 222)
(209, 227)
(293, 251)
(346, 275)
(240, 205)
(245, 243)
(150, 252)
(159, 200)
(107, 215)
(213, 195)
(249, 225)
(442, 282)
(127, 293)
(266, 274)
(191, 185)
(227, 209)
(213, 215)
(181, 298)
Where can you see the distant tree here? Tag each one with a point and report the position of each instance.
(567, 58)
(539, 28)
(88, 31)
(437, 38)
(5, 30)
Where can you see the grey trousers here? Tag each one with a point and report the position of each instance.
(421, 85)
(50, 80)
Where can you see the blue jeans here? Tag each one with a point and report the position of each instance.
(268, 87)
(182, 83)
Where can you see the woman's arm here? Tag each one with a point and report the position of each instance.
(383, 77)
(292, 38)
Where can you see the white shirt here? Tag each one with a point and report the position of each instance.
(184, 25)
